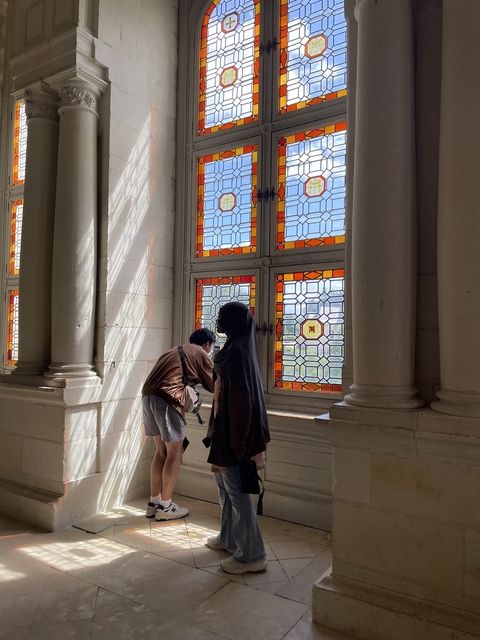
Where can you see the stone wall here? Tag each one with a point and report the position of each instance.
(137, 42)
(69, 452)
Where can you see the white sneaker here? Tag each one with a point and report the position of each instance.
(172, 512)
(214, 543)
(151, 509)
(230, 565)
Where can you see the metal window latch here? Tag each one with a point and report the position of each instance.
(264, 329)
(270, 46)
(265, 195)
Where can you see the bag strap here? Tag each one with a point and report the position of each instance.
(181, 354)
(260, 497)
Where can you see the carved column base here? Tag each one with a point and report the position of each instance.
(377, 397)
(65, 371)
(458, 403)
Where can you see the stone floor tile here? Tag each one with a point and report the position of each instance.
(270, 587)
(62, 606)
(217, 571)
(133, 535)
(183, 557)
(205, 557)
(126, 514)
(300, 587)
(199, 530)
(18, 633)
(18, 610)
(293, 566)
(306, 629)
(285, 549)
(147, 624)
(157, 582)
(111, 606)
(273, 573)
(72, 630)
(170, 536)
(130, 626)
(242, 613)
(20, 574)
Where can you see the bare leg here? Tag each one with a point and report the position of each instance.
(157, 466)
(171, 468)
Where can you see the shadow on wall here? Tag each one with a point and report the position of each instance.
(131, 342)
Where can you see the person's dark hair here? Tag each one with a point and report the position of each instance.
(201, 336)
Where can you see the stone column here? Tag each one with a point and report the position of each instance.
(75, 237)
(384, 228)
(347, 373)
(459, 212)
(37, 230)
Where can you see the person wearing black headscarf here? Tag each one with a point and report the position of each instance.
(238, 431)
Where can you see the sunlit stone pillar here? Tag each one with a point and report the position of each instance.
(37, 230)
(74, 250)
(459, 212)
(384, 237)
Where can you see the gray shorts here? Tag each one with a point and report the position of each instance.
(160, 418)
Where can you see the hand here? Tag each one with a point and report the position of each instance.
(259, 460)
(217, 469)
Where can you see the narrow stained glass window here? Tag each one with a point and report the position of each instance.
(309, 330)
(311, 188)
(212, 293)
(12, 339)
(20, 133)
(313, 52)
(229, 65)
(227, 202)
(16, 217)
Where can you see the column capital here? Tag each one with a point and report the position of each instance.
(77, 96)
(41, 101)
(79, 87)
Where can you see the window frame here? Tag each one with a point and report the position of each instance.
(268, 260)
(11, 193)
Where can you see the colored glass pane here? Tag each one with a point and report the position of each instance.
(227, 202)
(20, 134)
(309, 330)
(313, 52)
(16, 217)
(311, 188)
(229, 65)
(12, 339)
(213, 293)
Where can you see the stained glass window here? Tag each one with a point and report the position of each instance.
(313, 52)
(229, 65)
(12, 339)
(20, 133)
(227, 202)
(311, 188)
(309, 330)
(213, 293)
(16, 216)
